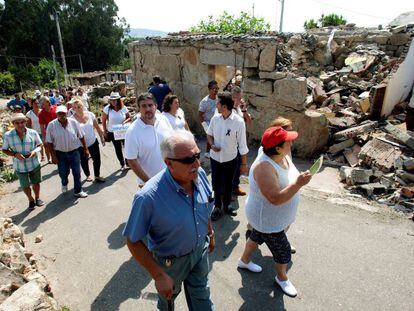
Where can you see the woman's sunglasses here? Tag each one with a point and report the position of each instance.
(187, 160)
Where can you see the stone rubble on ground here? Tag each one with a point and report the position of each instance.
(22, 286)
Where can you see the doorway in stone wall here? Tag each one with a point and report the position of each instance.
(224, 75)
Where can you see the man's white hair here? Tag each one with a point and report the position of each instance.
(168, 145)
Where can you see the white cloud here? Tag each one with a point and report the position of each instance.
(178, 15)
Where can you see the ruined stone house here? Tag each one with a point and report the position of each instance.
(276, 69)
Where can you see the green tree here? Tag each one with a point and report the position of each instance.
(332, 20)
(324, 21)
(90, 28)
(227, 23)
(7, 82)
(310, 24)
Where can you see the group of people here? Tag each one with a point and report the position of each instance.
(170, 228)
(58, 126)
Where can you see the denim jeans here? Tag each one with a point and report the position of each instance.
(192, 270)
(66, 162)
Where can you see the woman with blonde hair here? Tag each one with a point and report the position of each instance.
(88, 123)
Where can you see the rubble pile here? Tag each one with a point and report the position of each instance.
(375, 153)
(376, 159)
(22, 286)
(100, 93)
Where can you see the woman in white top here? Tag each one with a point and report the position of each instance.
(88, 123)
(271, 205)
(115, 113)
(33, 123)
(174, 114)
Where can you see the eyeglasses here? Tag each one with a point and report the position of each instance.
(187, 160)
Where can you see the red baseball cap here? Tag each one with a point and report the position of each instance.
(275, 135)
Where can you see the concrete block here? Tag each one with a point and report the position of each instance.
(217, 57)
(268, 58)
(259, 87)
(251, 58)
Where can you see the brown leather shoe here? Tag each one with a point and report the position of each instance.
(239, 191)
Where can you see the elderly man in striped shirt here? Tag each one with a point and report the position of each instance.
(64, 137)
(22, 144)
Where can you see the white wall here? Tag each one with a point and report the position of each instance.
(400, 84)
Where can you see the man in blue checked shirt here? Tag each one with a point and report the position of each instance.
(23, 144)
(173, 211)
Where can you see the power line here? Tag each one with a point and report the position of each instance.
(352, 11)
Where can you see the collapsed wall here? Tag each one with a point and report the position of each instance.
(275, 69)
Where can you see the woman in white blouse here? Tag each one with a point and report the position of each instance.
(33, 122)
(175, 115)
(115, 113)
(88, 123)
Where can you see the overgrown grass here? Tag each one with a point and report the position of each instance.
(7, 174)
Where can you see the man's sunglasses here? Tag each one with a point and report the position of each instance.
(187, 160)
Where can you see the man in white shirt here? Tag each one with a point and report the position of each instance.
(143, 139)
(64, 137)
(227, 136)
(207, 109)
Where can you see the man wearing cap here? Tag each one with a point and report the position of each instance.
(22, 144)
(227, 136)
(271, 206)
(143, 139)
(173, 211)
(64, 138)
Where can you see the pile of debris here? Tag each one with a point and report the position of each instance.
(99, 95)
(22, 286)
(376, 158)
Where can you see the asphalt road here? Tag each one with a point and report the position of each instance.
(347, 258)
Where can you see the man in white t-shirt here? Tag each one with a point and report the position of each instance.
(143, 139)
(207, 109)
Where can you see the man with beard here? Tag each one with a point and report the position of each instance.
(143, 139)
(64, 138)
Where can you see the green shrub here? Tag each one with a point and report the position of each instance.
(324, 21)
(7, 82)
(227, 23)
(332, 20)
(7, 174)
(310, 24)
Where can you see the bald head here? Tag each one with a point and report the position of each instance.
(172, 145)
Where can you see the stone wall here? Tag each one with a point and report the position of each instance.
(274, 69)
(23, 287)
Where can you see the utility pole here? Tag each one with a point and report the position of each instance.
(62, 52)
(253, 9)
(281, 16)
(80, 62)
(54, 67)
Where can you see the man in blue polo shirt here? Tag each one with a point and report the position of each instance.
(159, 90)
(173, 211)
(17, 101)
